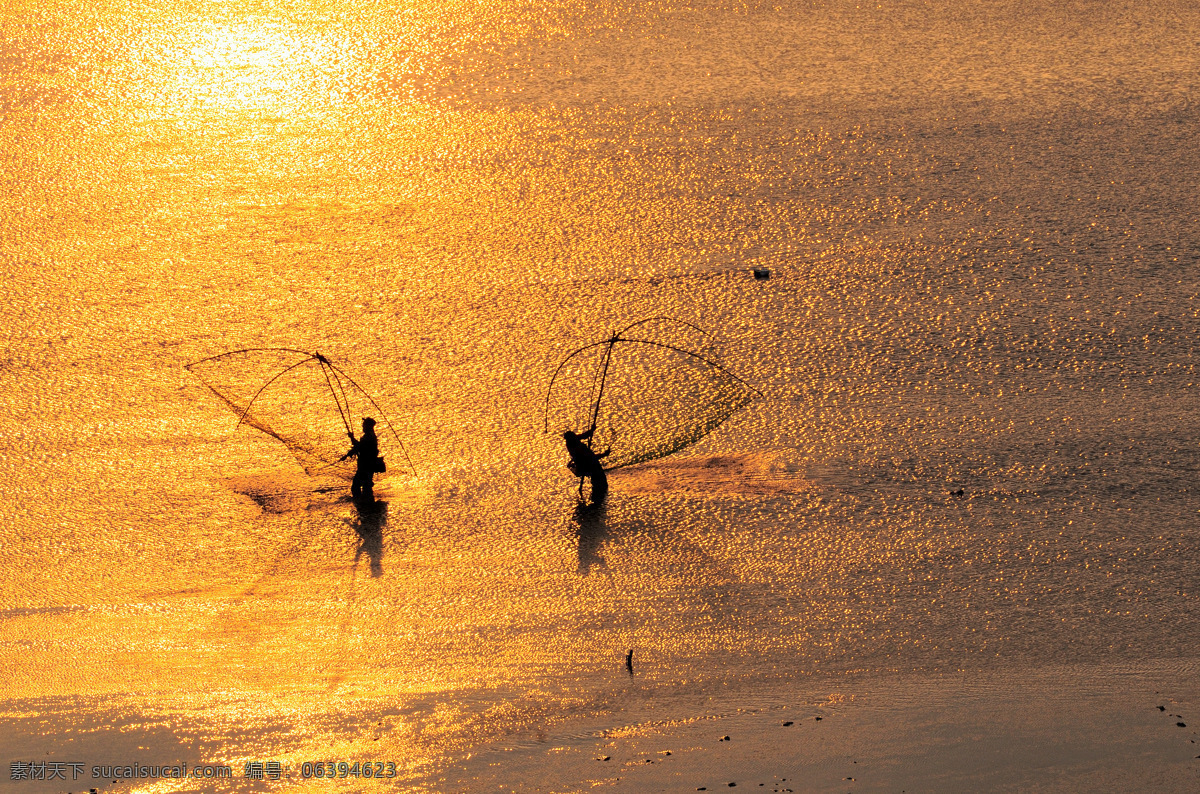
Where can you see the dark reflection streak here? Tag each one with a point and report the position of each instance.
(592, 530)
(372, 516)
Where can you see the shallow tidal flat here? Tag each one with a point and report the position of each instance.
(952, 541)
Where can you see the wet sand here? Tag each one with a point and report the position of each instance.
(1073, 729)
(1067, 729)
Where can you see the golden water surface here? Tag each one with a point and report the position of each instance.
(975, 449)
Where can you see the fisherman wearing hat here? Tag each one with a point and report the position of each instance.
(366, 450)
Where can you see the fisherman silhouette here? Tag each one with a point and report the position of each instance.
(366, 450)
(586, 463)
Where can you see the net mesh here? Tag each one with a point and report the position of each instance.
(651, 390)
(299, 398)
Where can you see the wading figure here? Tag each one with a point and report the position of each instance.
(366, 451)
(301, 399)
(586, 463)
(648, 390)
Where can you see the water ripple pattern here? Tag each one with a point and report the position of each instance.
(975, 332)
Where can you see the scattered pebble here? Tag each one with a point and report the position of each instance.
(1161, 708)
(818, 719)
(731, 785)
(603, 758)
(1181, 724)
(723, 739)
(788, 723)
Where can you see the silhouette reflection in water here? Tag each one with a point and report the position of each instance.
(372, 516)
(591, 527)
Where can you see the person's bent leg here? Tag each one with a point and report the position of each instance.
(599, 487)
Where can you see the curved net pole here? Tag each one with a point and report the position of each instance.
(698, 357)
(600, 391)
(593, 395)
(375, 405)
(262, 388)
(631, 326)
(554, 377)
(345, 400)
(617, 337)
(228, 353)
(325, 370)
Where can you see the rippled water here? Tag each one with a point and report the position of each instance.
(975, 450)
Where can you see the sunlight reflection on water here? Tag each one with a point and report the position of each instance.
(976, 444)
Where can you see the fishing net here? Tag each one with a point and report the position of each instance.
(300, 398)
(650, 390)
